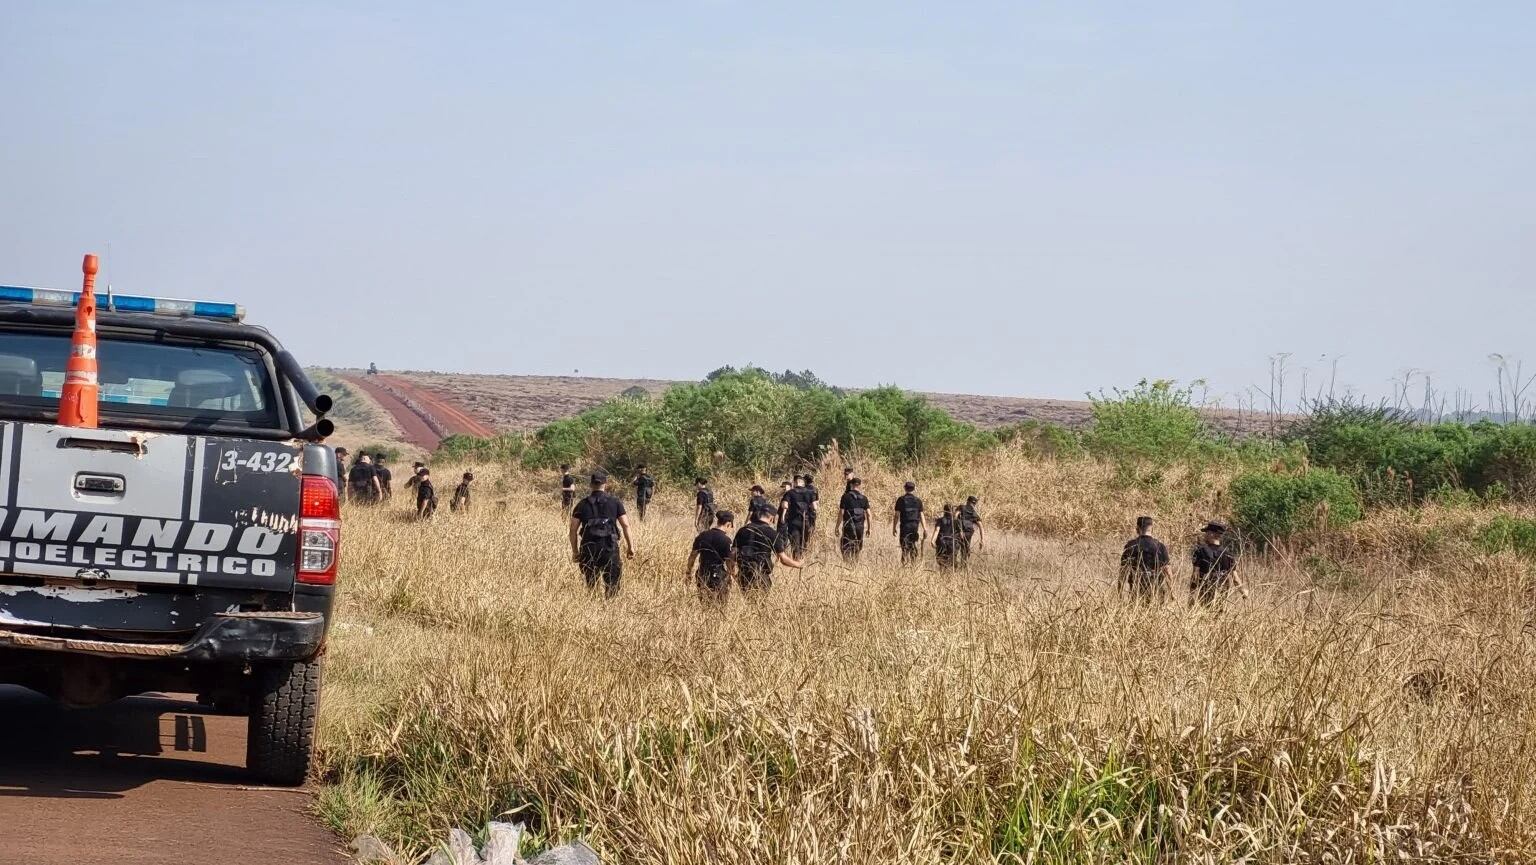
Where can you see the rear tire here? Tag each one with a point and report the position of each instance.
(280, 737)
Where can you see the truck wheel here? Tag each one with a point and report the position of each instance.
(281, 735)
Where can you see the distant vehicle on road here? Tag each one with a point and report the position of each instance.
(188, 540)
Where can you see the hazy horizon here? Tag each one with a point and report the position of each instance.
(998, 199)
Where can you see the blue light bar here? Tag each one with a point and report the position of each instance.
(126, 303)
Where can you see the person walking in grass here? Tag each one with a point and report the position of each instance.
(853, 520)
(382, 472)
(947, 539)
(1215, 567)
(795, 513)
(908, 525)
(712, 558)
(814, 511)
(364, 481)
(703, 504)
(598, 523)
(970, 526)
(341, 474)
(645, 488)
(758, 547)
(785, 489)
(460, 500)
(567, 488)
(415, 478)
(757, 500)
(426, 495)
(1144, 565)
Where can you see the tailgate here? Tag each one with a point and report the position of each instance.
(148, 508)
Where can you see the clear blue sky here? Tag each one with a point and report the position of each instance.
(1014, 198)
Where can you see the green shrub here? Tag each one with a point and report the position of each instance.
(1509, 533)
(389, 452)
(1272, 507)
(463, 448)
(1154, 421)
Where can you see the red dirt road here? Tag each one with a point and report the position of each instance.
(424, 416)
(144, 781)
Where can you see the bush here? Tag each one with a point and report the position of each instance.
(389, 452)
(1509, 534)
(463, 448)
(1154, 421)
(1272, 507)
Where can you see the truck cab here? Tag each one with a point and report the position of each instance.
(189, 541)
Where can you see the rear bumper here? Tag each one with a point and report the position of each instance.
(262, 636)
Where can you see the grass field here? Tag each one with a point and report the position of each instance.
(1375, 709)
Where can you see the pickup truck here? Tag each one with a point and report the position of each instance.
(186, 543)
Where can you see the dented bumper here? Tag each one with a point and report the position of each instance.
(256, 636)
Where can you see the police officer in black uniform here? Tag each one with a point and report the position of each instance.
(811, 514)
(758, 545)
(948, 535)
(757, 500)
(1144, 565)
(383, 474)
(784, 490)
(853, 517)
(908, 525)
(795, 516)
(567, 488)
(847, 478)
(1215, 574)
(460, 500)
(645, 487)
(341, 473)
(970, 525)
(713, 555)
(597, 523)
(426, 495)
(364, 482)
(703, 504)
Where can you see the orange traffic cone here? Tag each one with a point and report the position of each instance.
(82, 391)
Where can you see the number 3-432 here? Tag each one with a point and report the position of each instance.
(270, 461)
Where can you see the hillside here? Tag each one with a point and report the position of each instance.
(463, 402)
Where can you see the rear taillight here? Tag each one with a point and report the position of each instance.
(319, 531)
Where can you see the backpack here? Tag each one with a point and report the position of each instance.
(911, 509)
(598, 528)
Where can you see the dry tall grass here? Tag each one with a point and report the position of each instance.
(1019, 712)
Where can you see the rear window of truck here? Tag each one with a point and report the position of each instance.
(228, 385)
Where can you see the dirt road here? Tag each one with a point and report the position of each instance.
(145, 781)
(424, 416)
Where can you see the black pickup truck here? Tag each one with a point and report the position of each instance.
(189, 543)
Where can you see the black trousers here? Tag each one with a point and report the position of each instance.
(754, 575)
(641, 501)
(714, 584)
(851, 541)
(798, 531)
(601, 561)
(947, 552)
(567, 498)
(910, 534)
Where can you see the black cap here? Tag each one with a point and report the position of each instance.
(853, 482)
(971, 500)
(599, 477)
(909, 486)
(1216, 526)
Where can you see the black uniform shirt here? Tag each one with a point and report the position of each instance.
(424, 492)
(599, 516)
(713, 547)
(969, 517)
(567, 482)
(758, 505)
(799, 500)
(946, 528)
(1144, 554)
(909, 508)
(643, 485)
(361, 476)
(759, 542)
(705, 499)
(383, 475)
(1214, 560)
(855, 506)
